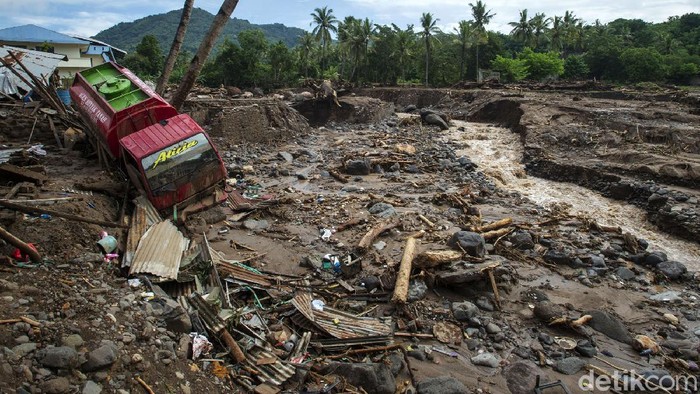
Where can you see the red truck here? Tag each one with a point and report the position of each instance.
(167, 155)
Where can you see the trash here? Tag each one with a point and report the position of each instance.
(326, 234)
(200, 345)
(318, 305)
(134, 283)
(107, 243)
(37, 150)
(19, 255)
(147, 295)
(643, 343)
(331, 262)
(446, 332)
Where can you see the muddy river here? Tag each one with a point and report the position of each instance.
(498, 153)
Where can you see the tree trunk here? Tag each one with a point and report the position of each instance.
(477, 62)
(461, 63)
(427, 58)
(222, 17)
(175, 48)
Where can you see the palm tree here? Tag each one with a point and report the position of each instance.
(325, 23)
(522, 30)
(465, 38)
(175, 47)
(571, 32)
(344, 32)
(482, 17)
(405, 40)
(557, 34)
(539, 24)
(360, 33)
(306, 46)
(202, 54)
(429, 26)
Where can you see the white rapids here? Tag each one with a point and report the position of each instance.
(498, 153)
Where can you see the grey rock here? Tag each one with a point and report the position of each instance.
(373, 377)
(463, 311)
(22, 339)
(610, 326)
(417, 290)
(522, 239)
(74, 340)
(486, 360)
(382, 209)
(521, 377)
(672, 269)
(56, 386)
(24, 349)
(101, 357)
(546, 311)
(654, 258)
(625, 273)
(667, 296)
(92, 388)
(420, 354)
(492, 328)
(176, 318)
(470, 242)
(441, 385)
(396, 363)
(585, 348)
(286, 156)
(251, 224)
(358, 167)
(558, 257)
(59, 357)
(569, 365)
(484, 303)
(597, 261)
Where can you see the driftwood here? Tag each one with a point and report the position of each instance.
(493, 226)
(436, 258)
(466, 275)
(34, 210)
(338, 176)
(18, 243)
(350, 223)
(404, 274)
(368, 238)
(426, 221)
(497, 233)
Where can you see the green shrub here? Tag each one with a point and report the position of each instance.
(542, 65)
(642, 64)
(575, 67)
(512, 70)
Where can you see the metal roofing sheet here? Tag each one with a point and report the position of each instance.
(41, 64)
(340, 324)
(275, 373)
(160, 251)
(38, 34)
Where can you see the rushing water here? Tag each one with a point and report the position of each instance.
(498, 153)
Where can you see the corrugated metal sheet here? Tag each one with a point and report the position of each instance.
(239, 203)
(41, 64)
(152, 215)
(274, 373)
(160, 251)
(339, 324)
(136, 230)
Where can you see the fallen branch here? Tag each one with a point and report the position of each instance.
(145, 385)
(404, 274)
(368, 238)
(426, 220)
(494, 226)
(350, 223)
(21, 245)
(34, 210)
(497, 233)
(337, 176)
(435, 258)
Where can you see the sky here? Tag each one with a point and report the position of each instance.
(88, 17)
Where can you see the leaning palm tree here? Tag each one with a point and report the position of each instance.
(430, 28)
(200, 57)
(175, 47)
(325, 23)
(522, 30)
(465, 39)
(482, 17)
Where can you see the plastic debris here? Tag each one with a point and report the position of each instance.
(200, 345)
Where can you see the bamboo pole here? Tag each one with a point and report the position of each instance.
(404, 275)
(21, 245)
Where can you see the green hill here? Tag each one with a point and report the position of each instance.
(126, 35)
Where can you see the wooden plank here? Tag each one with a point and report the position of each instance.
(21, 174)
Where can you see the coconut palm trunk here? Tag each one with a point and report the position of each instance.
(220, 20)
(175, 47)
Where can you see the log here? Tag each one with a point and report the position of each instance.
(426, 221)
(337, 176)
(232, 345)
(495, 225)
(21, 245)
(436, 258)
(497, 233)
(404, 274)
(34, 210)
(368, 238)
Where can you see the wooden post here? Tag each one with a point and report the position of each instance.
(18, 243)
(404, 275)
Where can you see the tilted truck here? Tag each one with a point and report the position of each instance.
(166, 155)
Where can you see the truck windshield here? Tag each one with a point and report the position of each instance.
(178, 164)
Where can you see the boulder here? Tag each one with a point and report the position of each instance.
(58, 357)
(522, 376)
(672, 269)
(441, 385)
(463, 311)
(569, 365)
(101, 357)
(609, 325)
(372, 377)
(468, 241)
(358, 167)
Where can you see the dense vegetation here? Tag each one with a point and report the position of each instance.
(127, 35)
(538, 48)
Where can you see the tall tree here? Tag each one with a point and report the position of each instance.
(306, 47)
(430, 28)
(522, 30)
(200, 57)
(539, 24)
(482, 17)
(557, 34)
(175, 47)
(325, 23)
(405, 42)
(465, 38)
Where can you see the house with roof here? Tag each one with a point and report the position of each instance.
(80, 52)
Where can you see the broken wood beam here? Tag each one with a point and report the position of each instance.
(21, 245)
(404, 275)
(436, 258)
(372, 234)
(22, 174)
(35, 210)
